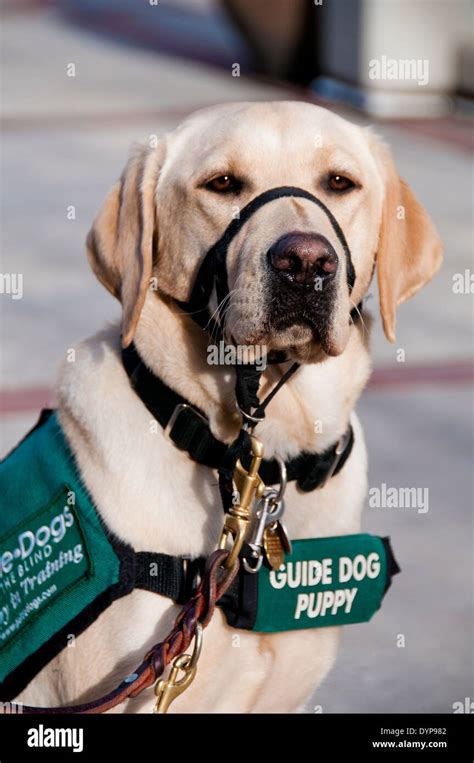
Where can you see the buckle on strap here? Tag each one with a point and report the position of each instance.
(341, 446)
(180, 408)
(192, 571)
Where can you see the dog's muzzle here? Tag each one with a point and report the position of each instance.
(213, 270)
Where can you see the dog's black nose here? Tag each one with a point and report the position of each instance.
(301, 258)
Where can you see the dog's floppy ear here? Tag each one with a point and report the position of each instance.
(409, 248)
(120, 242)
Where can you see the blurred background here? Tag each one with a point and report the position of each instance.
(83, 79)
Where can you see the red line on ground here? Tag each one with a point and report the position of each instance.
(26, 399)
(460, 371)
(390, 377)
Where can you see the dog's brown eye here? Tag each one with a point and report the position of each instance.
(224, 184)
(340, 183)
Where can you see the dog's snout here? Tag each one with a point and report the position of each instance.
(302, 257)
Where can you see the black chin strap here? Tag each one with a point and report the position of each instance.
(253, 412)
(246, 390)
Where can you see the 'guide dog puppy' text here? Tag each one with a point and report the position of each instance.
(315, 573)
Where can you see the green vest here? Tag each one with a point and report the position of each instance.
(60, 567)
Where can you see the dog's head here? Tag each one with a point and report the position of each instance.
(289, 272)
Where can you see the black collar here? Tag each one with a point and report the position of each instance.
(189, 430)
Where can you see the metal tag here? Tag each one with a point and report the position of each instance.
(273, 546)
(285, 540)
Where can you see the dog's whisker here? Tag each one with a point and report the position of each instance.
(223, 308)
(217, 312)
(356, 308)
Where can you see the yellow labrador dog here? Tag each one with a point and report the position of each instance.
(172, 203)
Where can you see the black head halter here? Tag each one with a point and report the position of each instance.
(213, 274)
(213, 270)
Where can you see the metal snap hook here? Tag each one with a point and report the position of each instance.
(167, 690)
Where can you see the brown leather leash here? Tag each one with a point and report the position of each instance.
(197, 612)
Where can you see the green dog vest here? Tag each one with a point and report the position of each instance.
(60, 567)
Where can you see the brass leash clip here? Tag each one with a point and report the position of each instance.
(267, 517)
(168, 689)
(249, 486)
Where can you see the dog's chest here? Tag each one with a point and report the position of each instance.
(156, 499)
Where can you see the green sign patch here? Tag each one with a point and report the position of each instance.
(59, 567)
(40, 560)
(324, 582)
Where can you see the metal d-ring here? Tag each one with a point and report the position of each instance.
(197, 646)
(249, 568)
(250, 421)
(283, 479)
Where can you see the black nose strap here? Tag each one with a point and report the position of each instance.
(213, 270)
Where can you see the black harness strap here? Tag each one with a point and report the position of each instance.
(170, 576)
(189, 430)
(188, 427)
